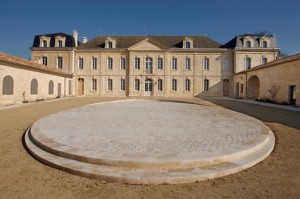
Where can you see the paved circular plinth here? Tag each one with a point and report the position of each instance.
(141, 135)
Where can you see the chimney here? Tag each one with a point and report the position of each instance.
(84, 40)
(75, 36)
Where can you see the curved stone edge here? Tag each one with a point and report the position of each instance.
(150, 176)
(153, 162)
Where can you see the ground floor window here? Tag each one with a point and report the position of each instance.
(206, 84)
(187, 85)
(109, 84)
(94, 84)
(137, 84)
(122, 85)
(160, 84)
(174, 84)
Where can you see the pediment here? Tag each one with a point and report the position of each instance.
(147, 44)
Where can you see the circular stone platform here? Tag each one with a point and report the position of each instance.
(143, 141)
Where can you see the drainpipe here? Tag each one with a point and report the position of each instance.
(246, 84)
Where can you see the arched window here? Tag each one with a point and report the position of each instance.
(34, 87)
(8, 85)
(51, 88)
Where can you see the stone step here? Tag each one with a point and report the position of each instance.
(147, 174)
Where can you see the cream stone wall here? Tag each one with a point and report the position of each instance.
(23, 76)
(67, 55)
(256, 58)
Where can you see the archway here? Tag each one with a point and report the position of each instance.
(8, 85)
(253, 87)
(51, 88)
(34, 87)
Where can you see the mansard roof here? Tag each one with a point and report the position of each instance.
(236, 41)
(168, 41)
(17, 62)
(70, 41)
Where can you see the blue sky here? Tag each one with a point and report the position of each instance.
(220, 20)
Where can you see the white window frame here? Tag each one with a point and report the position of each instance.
(59, 62)
(94, 84)
(160, 85)
(160, 63)
(109, 84)
(187, 84)
(94, 63)
(137, 83)
(80, 63)
(137, 63)
(122, 63)
(122, 84)
(174, 85)
(174, 63)
(110, 63)
(206, 63)
(188, 63)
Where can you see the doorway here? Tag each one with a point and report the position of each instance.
(148, 87)
(80, 86)
(225, 87)
(292, 94)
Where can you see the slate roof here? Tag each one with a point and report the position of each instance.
(70, 41)
(29, 64)
(237, 41)
(167, 41)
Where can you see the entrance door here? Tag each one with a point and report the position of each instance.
(292, 94)
(225, 87)
(148, 87)
(80, 86)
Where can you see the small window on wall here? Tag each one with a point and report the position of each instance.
(206, 63)
(160, 63)
(59, 62)
(110, 84)
(110, 63)
(94, 84)
(174, 84)
(122, 84)
(137, 63)
(206, 84)
(248, 63)
(174, 63)
(80, 63)
(137, 84)
(44, 60)
(94, 63)
(160, 84)
(187, 63)
(122, 63)
(187, 84)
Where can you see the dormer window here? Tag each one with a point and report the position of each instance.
(248, 44)
(263, 41)
(187, 43)
(110, 42)
(265, 44)
(60, 41)
(44, 41)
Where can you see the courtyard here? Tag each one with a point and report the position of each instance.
(24, 177)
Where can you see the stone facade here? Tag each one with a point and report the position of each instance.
(107, 65)
(261, 82)
(22, 81)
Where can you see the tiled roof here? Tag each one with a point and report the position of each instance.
(27, 63)
(168, 41)
(294, 57)
(70, 41)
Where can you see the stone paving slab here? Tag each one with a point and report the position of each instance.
(148, 134)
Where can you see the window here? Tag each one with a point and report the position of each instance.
(122, 84)
(187, 63)
(206, 63)
(122, 63)
(248, 44)
(44, 43)
(110, 44)
(160, 84)
(206, 84)
(80, 63)
(109, 84)
(60, 43)
(248, 63)
(51, 88)
(160, 63)
(174, 63)
(148, 65)
(59, 62)
(174, 84)
(226, 64)
(94, 63)
(8, 85)
(137, 84)
(94, 84)
(137, 63)
(187, 84)
(110, 63)
(264, 60)
(34, 87)
(265, 44)
(44, 60)
(188, 44)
